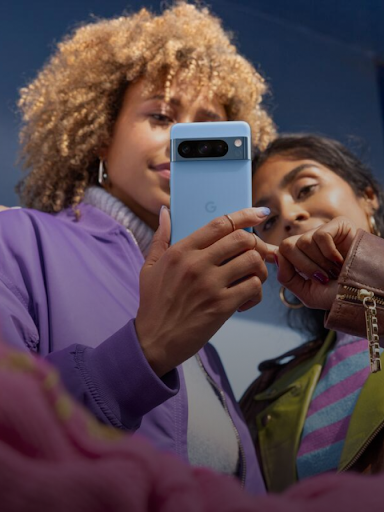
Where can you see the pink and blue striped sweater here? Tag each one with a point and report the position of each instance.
(335, 396)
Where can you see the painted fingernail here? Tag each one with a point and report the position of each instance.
(321, 277)
(161, 212)
(333, 274)
(276, 260)
(263, 211)
(338, 264)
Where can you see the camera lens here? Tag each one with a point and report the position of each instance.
(185, 149)
(221, 148)
(204, 148)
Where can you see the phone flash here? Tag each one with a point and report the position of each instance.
(238, 143)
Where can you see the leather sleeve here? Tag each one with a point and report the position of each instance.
(363, 269)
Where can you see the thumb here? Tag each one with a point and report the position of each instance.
(161, 238)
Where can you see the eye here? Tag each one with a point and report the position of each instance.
(306, 191)
(269, 223)
(161, 119)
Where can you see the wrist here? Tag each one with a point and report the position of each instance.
(150, 348)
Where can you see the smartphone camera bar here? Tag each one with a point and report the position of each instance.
(232, 148)
(203, 148)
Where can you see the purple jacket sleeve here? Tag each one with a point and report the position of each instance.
(40, 278)
(114, 380)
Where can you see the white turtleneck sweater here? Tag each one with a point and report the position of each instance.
(212, 441)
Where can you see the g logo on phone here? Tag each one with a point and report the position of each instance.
(210, 207)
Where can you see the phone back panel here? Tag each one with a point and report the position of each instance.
(202, 189)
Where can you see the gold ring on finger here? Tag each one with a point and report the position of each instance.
(231, 221)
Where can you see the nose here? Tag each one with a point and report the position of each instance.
(294, 218)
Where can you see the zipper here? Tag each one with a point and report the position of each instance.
(362, 449)
(370, 301)
(358, 295)
(223, 400)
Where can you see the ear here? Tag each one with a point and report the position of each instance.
(371, 201)
(102, 153)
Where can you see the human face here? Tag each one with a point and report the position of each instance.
(138, 157)
(303, 195)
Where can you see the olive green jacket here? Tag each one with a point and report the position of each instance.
(276, 404)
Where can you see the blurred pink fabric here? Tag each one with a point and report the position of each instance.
(54, 456)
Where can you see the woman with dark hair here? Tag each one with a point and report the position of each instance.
(318, 408)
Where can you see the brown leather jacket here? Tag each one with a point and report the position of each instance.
(269, 403)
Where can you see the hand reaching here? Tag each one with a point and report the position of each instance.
(309, 264)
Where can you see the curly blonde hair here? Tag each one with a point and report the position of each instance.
(70, 108)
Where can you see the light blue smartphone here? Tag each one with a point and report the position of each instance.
(211, 173)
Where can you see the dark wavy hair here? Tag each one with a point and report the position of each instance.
(336, 157)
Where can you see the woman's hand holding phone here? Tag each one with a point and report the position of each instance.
(189, 290)
(309, 264)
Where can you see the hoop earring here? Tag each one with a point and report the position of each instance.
(373, 226)
(103, 176)
(290, 305)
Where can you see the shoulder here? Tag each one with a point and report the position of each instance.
(19, 221)
(23, 222)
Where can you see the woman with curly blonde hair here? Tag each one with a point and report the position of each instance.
(129, 336)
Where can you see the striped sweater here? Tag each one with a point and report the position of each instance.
(335, 396)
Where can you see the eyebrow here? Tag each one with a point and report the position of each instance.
(286, 180)
(177, 103)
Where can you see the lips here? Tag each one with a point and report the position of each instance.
(163, 170)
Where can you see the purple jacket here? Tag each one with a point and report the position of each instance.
(70, 291)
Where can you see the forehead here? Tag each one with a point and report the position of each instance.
(182, 97)
(279, 172)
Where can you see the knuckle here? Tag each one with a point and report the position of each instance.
(255, 284)
(321, 236)
(218, 224)
(241, 237)
(253, 258)
(304, 243)
(257, 289)
(286, 247)
(192, 271)
(173, 256)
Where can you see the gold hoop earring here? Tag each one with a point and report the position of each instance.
(373, 226)
(290, 305)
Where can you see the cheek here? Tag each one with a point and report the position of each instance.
(334, 200)
(344, 203)
(149, 141)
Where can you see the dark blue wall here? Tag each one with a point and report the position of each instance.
(317, 82)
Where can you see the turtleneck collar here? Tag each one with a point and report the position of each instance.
(101, 199)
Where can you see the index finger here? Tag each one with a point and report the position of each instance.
(222, 226)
